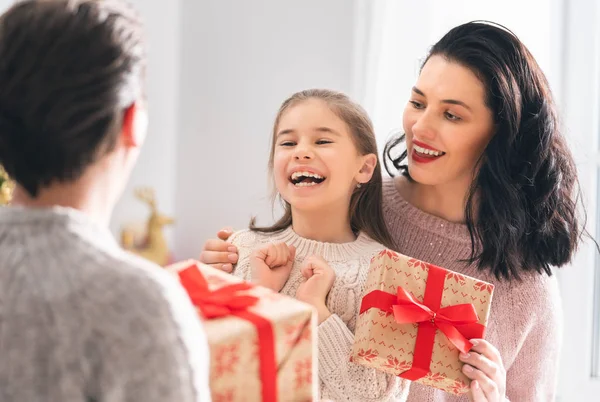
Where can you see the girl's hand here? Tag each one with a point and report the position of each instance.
(483, 365)
(271, 265)
(319, 278)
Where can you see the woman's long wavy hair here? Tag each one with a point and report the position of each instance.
(521, 210)
(366, 203)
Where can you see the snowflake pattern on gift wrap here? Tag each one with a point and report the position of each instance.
(303, 371)
(458, 387)
(458, 278)
(484, 287)
(256, 348)
(368, 355)
(224, 396)
(390, 254)
(226, 358)
(306, 335)
(414, 263)
(436, 377)
(293, 336)
(396, 365)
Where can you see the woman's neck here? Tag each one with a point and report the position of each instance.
(324, 226)
(86, 194)
(444, 201)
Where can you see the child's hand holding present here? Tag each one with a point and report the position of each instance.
(319, 278)
(271, 265)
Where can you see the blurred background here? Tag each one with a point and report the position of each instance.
(219, 69)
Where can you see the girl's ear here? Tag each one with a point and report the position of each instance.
(369, 163)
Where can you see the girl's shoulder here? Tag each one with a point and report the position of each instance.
(247, 241)
(249, 238)
(371, 247)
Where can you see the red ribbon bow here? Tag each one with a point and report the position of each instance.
(448, 319)
(216, 303)
(459, 322)
(231, 300)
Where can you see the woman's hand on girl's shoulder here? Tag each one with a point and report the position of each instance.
(219, 253)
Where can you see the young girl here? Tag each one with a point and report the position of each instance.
(325, 168)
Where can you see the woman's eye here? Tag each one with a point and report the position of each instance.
(452, 117)
(416, 104)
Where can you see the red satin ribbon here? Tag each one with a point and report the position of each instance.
(232, 300)
(459, 323)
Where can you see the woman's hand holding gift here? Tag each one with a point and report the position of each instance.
(483, 365)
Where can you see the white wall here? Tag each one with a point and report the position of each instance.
(157, 165)
(4, 4)
(240, 60)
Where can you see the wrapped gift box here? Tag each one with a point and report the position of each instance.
(415, 317)
(262, 344)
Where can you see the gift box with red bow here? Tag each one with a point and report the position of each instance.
(262, 344)
(416, 318)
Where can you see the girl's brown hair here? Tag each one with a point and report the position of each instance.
(366, 210)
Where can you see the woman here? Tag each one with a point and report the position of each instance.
(488, 189)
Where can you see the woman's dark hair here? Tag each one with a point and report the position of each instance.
(366, 203)
(521, 207)
(68, 71)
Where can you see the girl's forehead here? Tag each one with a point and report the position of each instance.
(311, 116)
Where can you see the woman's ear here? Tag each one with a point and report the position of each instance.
(135, 124)
(369, 163)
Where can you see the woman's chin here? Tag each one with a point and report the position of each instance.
(423, 176)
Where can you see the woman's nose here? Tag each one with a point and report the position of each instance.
(424, 128)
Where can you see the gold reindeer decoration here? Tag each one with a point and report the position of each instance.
(154, 247)
(6, 187)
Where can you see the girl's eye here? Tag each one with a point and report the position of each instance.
(287, 144)
(416, 104)
(451, 117)
(322, 142)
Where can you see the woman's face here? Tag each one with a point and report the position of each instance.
(447, 124)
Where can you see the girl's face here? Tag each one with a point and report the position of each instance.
(316, 164)
(447, 124)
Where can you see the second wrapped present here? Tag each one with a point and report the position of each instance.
(416, 318)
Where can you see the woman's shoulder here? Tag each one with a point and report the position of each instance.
(391, 193)
(539, 291)
(530, 301)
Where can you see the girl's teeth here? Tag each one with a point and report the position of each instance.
(295, 175)
(305, 184)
